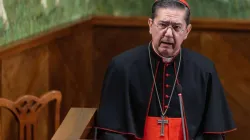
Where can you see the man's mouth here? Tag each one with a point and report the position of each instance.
(167, 43)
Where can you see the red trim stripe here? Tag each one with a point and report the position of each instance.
(123, 133)
(163, 88)
(152, 90)
(223, 132)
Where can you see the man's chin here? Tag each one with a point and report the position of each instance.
(166, 52)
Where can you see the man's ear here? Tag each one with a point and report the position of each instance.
(150, 22)
(189, 28)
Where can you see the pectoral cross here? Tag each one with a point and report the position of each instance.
(162, 121)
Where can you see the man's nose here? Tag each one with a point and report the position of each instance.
(169, 32)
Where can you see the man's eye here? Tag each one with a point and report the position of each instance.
(162, 25)
(177, 27)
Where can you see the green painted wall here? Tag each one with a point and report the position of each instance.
(237, 9)
(28, 17)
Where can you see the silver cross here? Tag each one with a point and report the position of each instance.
(162, 121)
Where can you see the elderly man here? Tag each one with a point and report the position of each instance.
(161, 91)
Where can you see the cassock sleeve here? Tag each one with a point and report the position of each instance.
(106, 135)
(218, 117)
(210, 137)
(214, 137)
(114, 114)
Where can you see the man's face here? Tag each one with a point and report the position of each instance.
(168, 30)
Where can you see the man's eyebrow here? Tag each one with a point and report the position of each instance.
(178, 24)
(167, 22)
(163, 21)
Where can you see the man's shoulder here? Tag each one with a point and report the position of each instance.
(199, 60)
(130, 56)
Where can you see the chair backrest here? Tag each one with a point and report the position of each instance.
(26, 109)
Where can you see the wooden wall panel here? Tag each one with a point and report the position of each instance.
(70, 66)
(24, 73)
(58, 60)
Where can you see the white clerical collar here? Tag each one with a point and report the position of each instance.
(167, 60)
(164, 59)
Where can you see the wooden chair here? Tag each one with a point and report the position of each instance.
(26, 109)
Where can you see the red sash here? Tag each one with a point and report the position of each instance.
(172, 130)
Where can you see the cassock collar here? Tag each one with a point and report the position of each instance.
(162, 59)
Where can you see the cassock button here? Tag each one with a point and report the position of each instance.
(167, 96)
(167, 75)
(167, 86)
(166, 106)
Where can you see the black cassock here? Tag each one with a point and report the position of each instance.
(129, 97)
